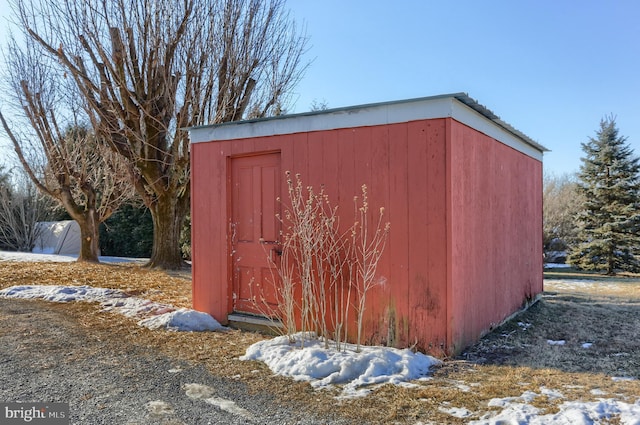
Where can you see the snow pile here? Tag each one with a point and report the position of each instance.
(153, 315)
(135, 307)
(35, 257)
(324, 367)
(378, 365)
(62, 294)
(516, 410)
(182, 319)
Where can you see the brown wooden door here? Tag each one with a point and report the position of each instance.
(255, 231)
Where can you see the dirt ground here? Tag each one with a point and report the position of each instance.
(53, 353)
(514, 358)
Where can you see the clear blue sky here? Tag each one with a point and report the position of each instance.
(550, 68)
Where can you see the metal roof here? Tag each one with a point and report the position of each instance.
(473, 104)
(460, 97)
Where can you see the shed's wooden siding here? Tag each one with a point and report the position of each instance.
(403, 166)
(465, 212)
(496, 232)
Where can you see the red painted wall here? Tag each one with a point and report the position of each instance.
(495, 232)
(465, 214)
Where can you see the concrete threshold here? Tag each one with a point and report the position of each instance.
(248, 322)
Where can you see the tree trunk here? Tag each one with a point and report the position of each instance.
(611, 261)
(89, 237)
(168, 214)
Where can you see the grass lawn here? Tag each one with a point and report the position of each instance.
(577, 308)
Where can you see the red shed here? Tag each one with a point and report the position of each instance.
(462, 191)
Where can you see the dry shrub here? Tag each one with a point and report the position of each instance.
(325, 270)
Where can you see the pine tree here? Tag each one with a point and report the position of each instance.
(609, 219)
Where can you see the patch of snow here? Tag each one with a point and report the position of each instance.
(205, 393)
(109, 259)
(526, 397)
(458, 412)
(514, 411)
(587, 344)
(524, 325)
(622, 378)
(230, 406)
(582, 284)
(628, 414)
(577, 283)
(556, 266)
(135, 307)
(598, 391)
(159, 408)
(553, 342)
(48, 257)
(307, 359)
(47, 250)
(62, 294)
(184, 320)
(34, 257)
(551, 394)
(153, 315)
(198, 391)
(464, 388)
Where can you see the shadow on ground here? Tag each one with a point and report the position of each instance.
(601, 334)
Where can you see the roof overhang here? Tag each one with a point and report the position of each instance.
(458, 106)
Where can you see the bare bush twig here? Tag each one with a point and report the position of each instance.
(21, 208)
(324, 271)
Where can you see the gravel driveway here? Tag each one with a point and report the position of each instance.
(46, 355)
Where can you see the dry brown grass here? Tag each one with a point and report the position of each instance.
(506, 363)
(173, 288)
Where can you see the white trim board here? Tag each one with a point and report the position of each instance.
(454, 106)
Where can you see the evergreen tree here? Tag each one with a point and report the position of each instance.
(610, 215)
(127, 233)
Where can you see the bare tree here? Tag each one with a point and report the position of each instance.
(147, 69)
(561, 203)
(21, 208)
(319, 105)
(63, 158)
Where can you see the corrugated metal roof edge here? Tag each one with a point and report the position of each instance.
(462, 97)
(484, 111)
